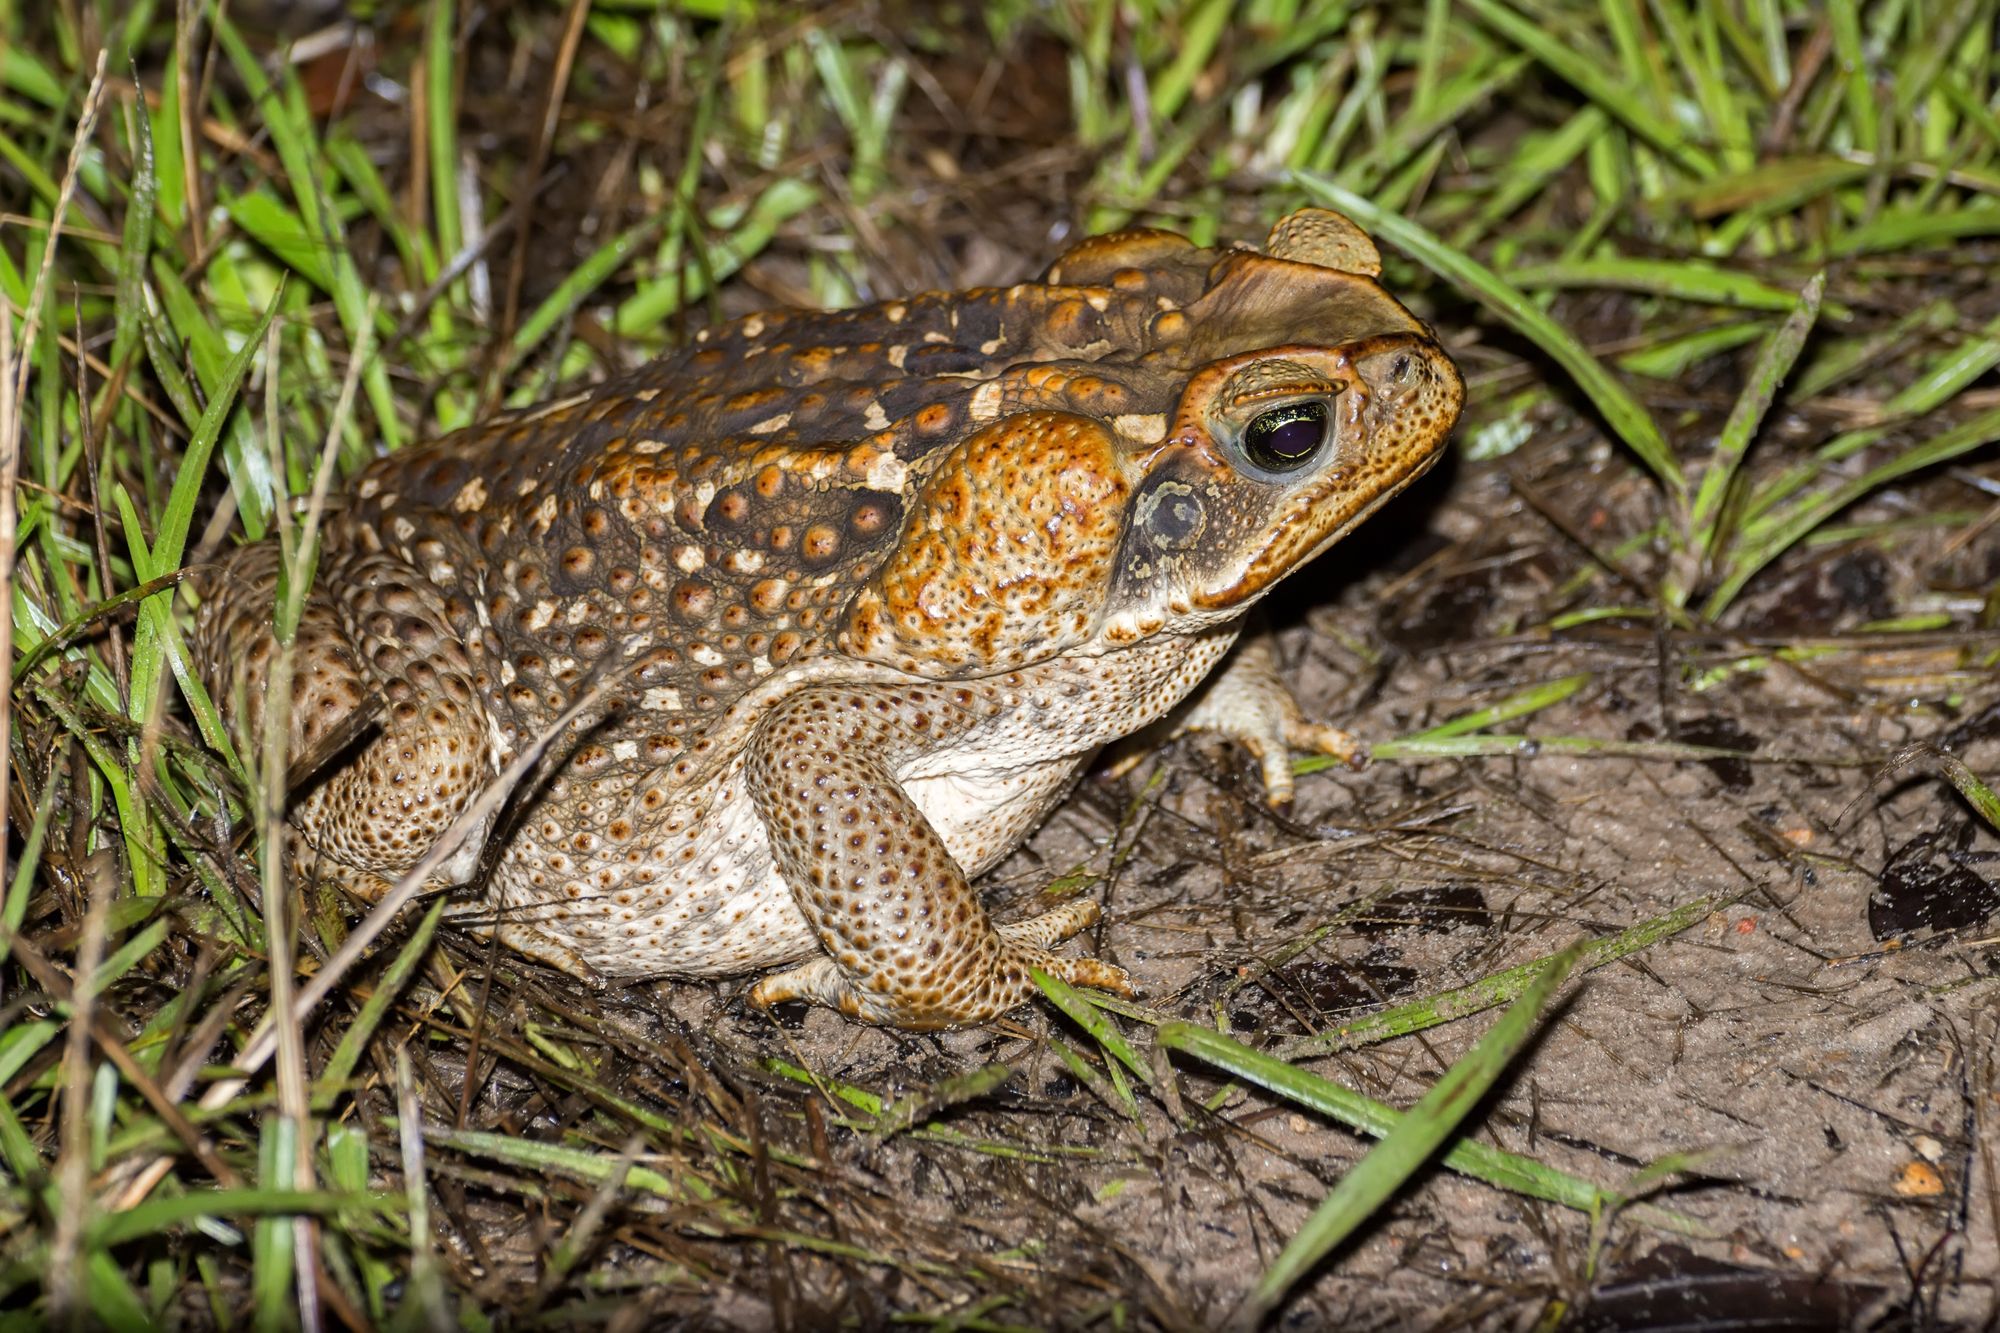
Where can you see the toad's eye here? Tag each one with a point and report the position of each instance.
(1285, 439)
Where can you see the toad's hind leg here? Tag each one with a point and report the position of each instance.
(906, 939)
(374, 631)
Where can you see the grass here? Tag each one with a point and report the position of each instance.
(227, 277)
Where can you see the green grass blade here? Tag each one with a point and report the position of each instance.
(23, 883)
(157, 636)
(1079, 1010)
(1500, 987)
(914, 1108)
(171, 542)
(164, 134)
(1706, 532)
(1555, 49)
(1703, 73)
(1521, 704)
(1673, 357)
(1202, 29)
(573, 1163)
(271, 1248)
(1503, 1170)
(441, 90)
(208, 347)
(1837, 360)
(1802, 518)
(307, 171)
(1770, 187)
(1499, 744)
(1977, 794)
(1117, 1096)
(1445, 738)
(1630, 421)
(1658, 277)
(40, 182)
(19, 1043)
(1528, 172)
(576, 288)
(1406, 1147)
(267, 220)
(132, 952)
(23, 72)
(24, 1162)
(785, 198)
(1408, 137)
(355, 1040)
(1936, 384)
(137, 242)
(1916, 229)
(1939, 382)
(112, 1298)
(161, 1214)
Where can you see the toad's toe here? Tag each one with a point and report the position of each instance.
(1250, 704)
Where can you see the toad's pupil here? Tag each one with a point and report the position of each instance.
(1293, 438)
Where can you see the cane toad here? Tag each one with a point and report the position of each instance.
(870, 588)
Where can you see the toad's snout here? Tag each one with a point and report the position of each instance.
(1408, 397)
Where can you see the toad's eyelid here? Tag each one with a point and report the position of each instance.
(1303, 391)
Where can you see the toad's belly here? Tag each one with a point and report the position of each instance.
(688, 890)
(693, 890)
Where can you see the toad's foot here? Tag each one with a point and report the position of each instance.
(907, 941)
(1250, 703)
(529, 942)
(1024, 944)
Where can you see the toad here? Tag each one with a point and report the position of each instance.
(869, 589)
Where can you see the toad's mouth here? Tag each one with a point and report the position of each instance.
(1412, 396)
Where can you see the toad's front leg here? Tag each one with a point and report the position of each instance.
(907, 941)
(1249, 702)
